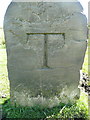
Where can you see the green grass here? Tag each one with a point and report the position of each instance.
(4, 83)
(64, 111)
(2, 40)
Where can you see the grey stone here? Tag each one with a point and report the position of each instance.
(46, 44)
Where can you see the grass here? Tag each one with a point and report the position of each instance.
(4, 83)
(2, 40)
(64, 111)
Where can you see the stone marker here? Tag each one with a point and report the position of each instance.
(46, 43)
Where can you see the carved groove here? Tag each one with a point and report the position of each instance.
(45, 59)
(44, 33)
(45, 56)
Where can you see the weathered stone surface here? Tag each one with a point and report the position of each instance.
(46, 43)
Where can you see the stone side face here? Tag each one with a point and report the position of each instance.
(46, 44)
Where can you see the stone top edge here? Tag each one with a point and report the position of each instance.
(45, 1)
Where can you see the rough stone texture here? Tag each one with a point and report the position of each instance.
(46, 43)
